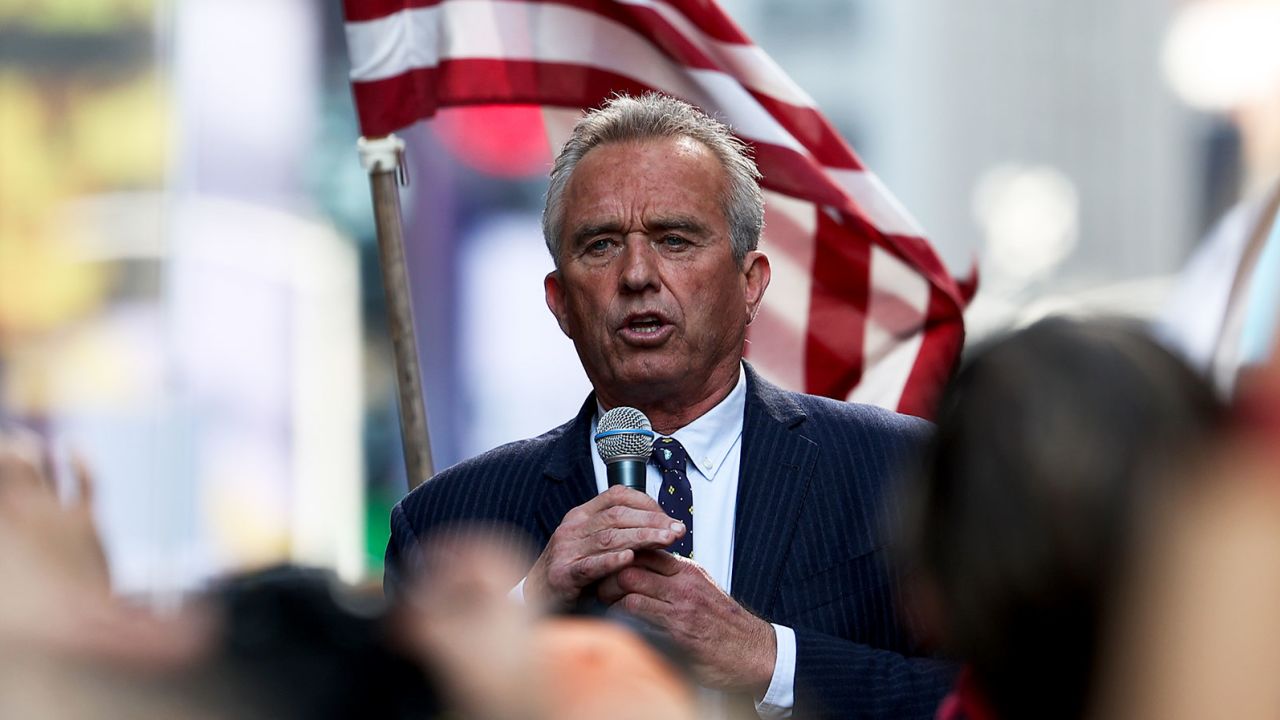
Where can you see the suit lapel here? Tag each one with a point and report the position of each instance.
(568, 477)
(776, 471)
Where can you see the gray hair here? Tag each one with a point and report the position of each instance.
(654, 116)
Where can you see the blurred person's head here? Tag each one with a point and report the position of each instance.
(1050, 443)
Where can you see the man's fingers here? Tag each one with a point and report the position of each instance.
(633, 579)
(610, 539)
(618, 495)
(594, 567)
(655, 611)
(609, 591)
(643, 581)
(600, 537)
(622, 516)
(663, 563)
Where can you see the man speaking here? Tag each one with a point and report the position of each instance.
(759, 547)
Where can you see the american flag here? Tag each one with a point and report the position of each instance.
(859, 308)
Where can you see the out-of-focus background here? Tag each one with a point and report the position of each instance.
(189, 290)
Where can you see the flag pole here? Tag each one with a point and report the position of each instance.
(383, 159)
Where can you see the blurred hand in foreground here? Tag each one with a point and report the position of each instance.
(463, 627)
(57, 596)
(500, 659)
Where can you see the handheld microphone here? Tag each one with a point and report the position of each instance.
(624, 439)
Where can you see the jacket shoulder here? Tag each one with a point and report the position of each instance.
(495, 485)
(872, 420)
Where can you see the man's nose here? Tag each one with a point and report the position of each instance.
(639, 265)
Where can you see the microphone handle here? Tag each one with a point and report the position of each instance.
(627, 473)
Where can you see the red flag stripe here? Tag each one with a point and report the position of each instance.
(358, 11)
(709, 18)
(837, 310)
(383, 108)
(943, 340)
(765, 81)
(897, 307)
(813, 131)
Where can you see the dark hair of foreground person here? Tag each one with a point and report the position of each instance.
(1052, 444)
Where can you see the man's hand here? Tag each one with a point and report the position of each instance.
(595, 540)
(730, 648)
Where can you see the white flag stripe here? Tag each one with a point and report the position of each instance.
(748, 63)
(783, 321)
(750, 120)
(896, 310)
(883, 383)
(536, 32)
(788, 240)
(558, 123)
(881, 208)
(391, 45)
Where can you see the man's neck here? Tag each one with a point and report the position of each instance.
(670, 411)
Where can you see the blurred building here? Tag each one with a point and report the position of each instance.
(174, 306)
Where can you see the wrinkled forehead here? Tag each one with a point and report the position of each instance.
(670, 176)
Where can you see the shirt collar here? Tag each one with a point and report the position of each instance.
(709, 439)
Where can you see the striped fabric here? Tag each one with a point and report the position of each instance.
(860, 307)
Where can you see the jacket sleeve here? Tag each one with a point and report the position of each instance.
(837, 678)
(838, 674)
(401, 551)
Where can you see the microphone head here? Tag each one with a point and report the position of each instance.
(624, 433)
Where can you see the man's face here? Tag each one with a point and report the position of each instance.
(647, 287)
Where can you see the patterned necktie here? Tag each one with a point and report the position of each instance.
(675, 496)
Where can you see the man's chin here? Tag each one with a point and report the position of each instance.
(639, 385)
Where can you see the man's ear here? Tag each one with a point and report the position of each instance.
(757, 272)
(556, 301)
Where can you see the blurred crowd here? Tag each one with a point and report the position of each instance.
(1094, 534)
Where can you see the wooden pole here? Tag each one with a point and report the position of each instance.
(383, 159)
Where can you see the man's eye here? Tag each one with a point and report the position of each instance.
(674, 241)
(598, 246)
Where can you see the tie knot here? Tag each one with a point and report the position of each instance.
(669, 454)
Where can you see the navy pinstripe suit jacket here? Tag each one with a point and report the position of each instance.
(809, 551)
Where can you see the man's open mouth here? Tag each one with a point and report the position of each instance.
(645, 324)
(646, 330)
